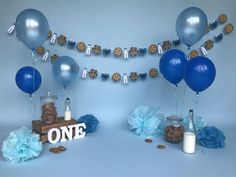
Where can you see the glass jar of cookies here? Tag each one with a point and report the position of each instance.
(174, 129)
(48, 108)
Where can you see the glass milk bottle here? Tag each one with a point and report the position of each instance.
(67, 113)
(189, 144)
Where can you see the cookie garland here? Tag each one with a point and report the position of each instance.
(152, 49)
(118, 52)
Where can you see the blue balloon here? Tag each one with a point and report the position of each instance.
(172, 65)
(32, 28)
(28, 79)
(191, 25)
(65, 70)
(200, 73)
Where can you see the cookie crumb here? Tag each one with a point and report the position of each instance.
(161, 146)
(148, 140)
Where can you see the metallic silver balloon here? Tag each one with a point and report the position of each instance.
(32, 28)
(191, 25)
(65, 70)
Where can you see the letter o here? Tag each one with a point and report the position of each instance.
(50, 135)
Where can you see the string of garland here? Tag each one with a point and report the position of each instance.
(131, 52)
(152, 49)
(116, 77)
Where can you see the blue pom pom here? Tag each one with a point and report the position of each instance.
(71, 44)
(142, 50)
(106, 51)
(199, 122)
(211, 137)
(21, 145)
(105, 76)
(143, 76)
(90, 121)
(146, 122)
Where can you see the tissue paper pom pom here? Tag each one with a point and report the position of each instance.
(90, 121)
(146, 122)
(199, 122)
(21, 145)
(211, 137)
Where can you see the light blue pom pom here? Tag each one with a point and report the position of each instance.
(146, 122)
(199, 122)
(21, 145)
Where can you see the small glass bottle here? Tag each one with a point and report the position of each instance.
(189, 144)
(67, 113)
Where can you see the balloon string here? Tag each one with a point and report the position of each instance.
(176, 100)
(32, 106)
(182, 112)
(64, 94)
(188, 53)
(196, 100)
(34, 58)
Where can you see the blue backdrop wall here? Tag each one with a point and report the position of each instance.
(121, 23)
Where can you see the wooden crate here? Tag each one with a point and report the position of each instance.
(42, 129)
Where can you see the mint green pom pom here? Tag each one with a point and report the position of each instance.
(21, 145)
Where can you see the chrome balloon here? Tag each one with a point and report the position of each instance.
(65, 70)
(32, 28)
(191, 25)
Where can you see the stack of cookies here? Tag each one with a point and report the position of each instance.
(49, 113)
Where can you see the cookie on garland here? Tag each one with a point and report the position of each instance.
(194, 53)
(117, 52)
(133, 51)
(54, 58)
(61, 40)
(116, 77)
(96, 49)
(152, 48)
(222, 18)
(228, 28)
(153, 72)
(40, 50)
(209, 44)
(81, 46)
(133, 76)
(93, 73)
(166, 45)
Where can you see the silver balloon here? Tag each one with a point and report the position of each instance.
(32, 28)
(65, 70)
(191, 25)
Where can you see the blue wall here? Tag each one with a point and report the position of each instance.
(123, 23)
